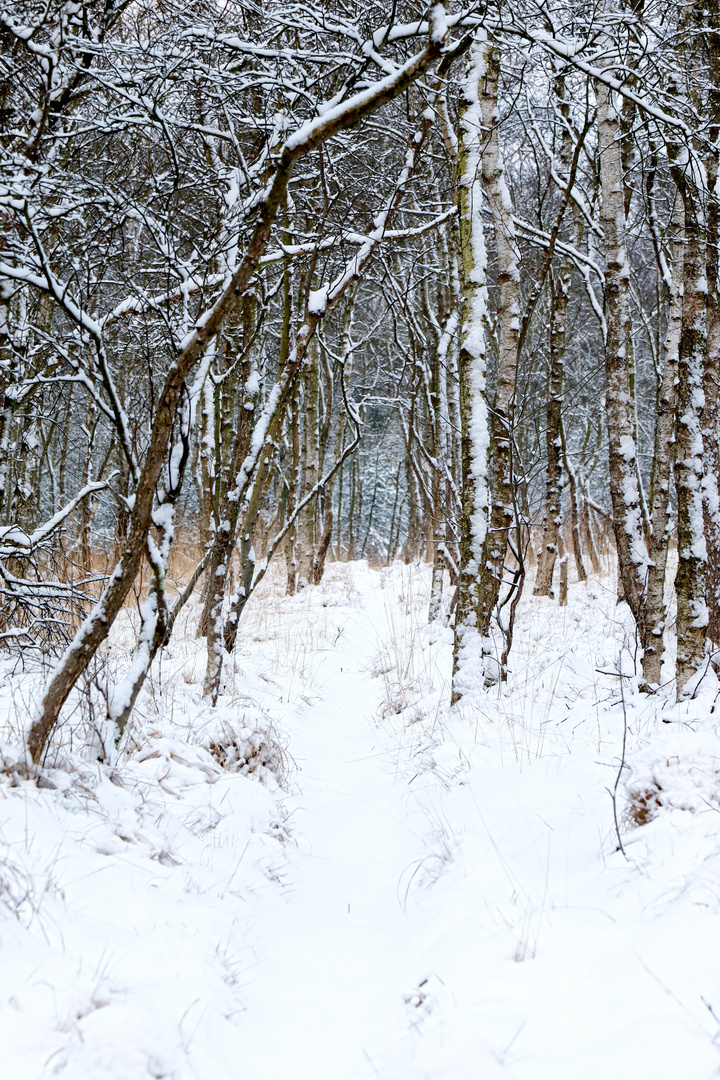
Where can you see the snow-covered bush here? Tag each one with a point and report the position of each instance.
(245, 740)
(685, 777)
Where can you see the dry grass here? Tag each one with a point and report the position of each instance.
(642, 806)
(248, 742)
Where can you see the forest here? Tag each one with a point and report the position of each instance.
(359, 388)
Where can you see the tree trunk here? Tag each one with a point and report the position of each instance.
(655, 606)
(508, 337)
(624, 488)
(553, 437)
(692, 614)
(472, 405)
(711, 434)
(310, 473)
(575, 512)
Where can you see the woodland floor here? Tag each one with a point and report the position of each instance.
(397, 891)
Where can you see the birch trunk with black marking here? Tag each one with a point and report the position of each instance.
(439, 421)
(553, 436)
(508, 337)
(624, 489)
(660, 508)
(472, 405)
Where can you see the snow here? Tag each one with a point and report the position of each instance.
(252, 385)
(317, 300)
(13, 534)
(438, 23)
(334, 875)
(312, 130)
(627, 447)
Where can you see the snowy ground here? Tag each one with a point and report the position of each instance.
(425, 895)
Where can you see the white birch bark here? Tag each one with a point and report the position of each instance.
(624, 488)
(474, 428)
(655, 607)
(508, 341)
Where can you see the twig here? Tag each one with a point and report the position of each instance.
(613, 793)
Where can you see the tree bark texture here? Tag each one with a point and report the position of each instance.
(619, 406)
(508, 337)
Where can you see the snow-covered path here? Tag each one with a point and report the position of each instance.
(449, 902)
(332, 962)
(457, 909)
